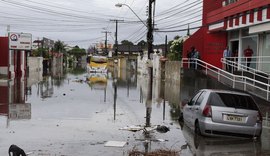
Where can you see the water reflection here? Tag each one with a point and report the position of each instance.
(97, 81)
(199, 145)
(45, 84)
(83, 113)
(13, 100)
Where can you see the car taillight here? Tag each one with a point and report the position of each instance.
(207, 111)
(259, 117)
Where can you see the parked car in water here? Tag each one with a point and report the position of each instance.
(220, 112)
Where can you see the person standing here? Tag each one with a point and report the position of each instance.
(196, 56)
(227, 54)
(192, 59)
(248, 53)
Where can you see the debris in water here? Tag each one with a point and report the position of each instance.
(132, 128)
(115, 144)
(162, 129)
(159, 152)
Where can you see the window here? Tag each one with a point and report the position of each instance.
(193, 100)
(200, 99)
(232, 100)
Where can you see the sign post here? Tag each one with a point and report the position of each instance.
(20, 41)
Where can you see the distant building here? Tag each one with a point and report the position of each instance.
(47, 43)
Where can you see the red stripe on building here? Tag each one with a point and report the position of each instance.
(231, 21)
(259, 15)
(244, 18)
(251, 16)
(237, 19)
(268, 12)
(234, 8)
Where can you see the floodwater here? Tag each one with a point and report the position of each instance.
(75, 113)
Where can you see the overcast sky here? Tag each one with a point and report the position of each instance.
(82, 22)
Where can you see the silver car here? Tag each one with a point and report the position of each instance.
(221, 112)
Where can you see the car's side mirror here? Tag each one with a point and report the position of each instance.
(184, 102)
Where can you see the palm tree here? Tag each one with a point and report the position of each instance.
(59, 46)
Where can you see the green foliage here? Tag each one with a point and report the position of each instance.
(176, 48)
(142, 43)
(41, 52)
(59, 46)
(126, 42)
(77, 52)
(77, 70)
(176, 37)
(36, 53)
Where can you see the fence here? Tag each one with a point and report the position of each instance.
(241, 82)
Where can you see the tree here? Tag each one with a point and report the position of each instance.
(59, 46)
(176, 48)
(176, 37)
(126, 42)
(77, 52)
(142, 43)
(42, 52)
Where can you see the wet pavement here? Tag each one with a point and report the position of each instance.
(76, 114)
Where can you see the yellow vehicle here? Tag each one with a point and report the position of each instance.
(98, 64)
(97, 80)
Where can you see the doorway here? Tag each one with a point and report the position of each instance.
(235, 54)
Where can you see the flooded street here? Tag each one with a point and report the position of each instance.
(77, 113)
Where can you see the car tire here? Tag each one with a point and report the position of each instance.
(197, 128)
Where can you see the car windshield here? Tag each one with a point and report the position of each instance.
(232, 100)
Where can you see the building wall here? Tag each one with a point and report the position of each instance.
(4, 97)
(4, 55)
(35, 70)
(209, 6)
(209, 45)
(172, 71)
(212, 38)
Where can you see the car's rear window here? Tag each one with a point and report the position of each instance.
(232, 100)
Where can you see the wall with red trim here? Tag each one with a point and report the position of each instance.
(195, 40)
(210, 45)
(4, 51)
(208, 6)
(234, 8)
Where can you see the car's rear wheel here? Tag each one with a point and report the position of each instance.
(197, 128)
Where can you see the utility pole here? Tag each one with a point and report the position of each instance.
(106, 39)
(116, 35)
(150, 29)
(150, 68)
(166, 46)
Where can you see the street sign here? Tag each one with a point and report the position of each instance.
(20, 41)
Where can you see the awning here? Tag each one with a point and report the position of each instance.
(259, 28)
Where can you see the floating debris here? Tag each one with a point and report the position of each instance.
(115, 144)
(162, 129)
(159, 128)
(132, 128)
(80, 81)
(155, 153)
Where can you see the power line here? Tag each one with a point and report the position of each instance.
(181, 11)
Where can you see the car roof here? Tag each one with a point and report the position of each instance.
(225, 91)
